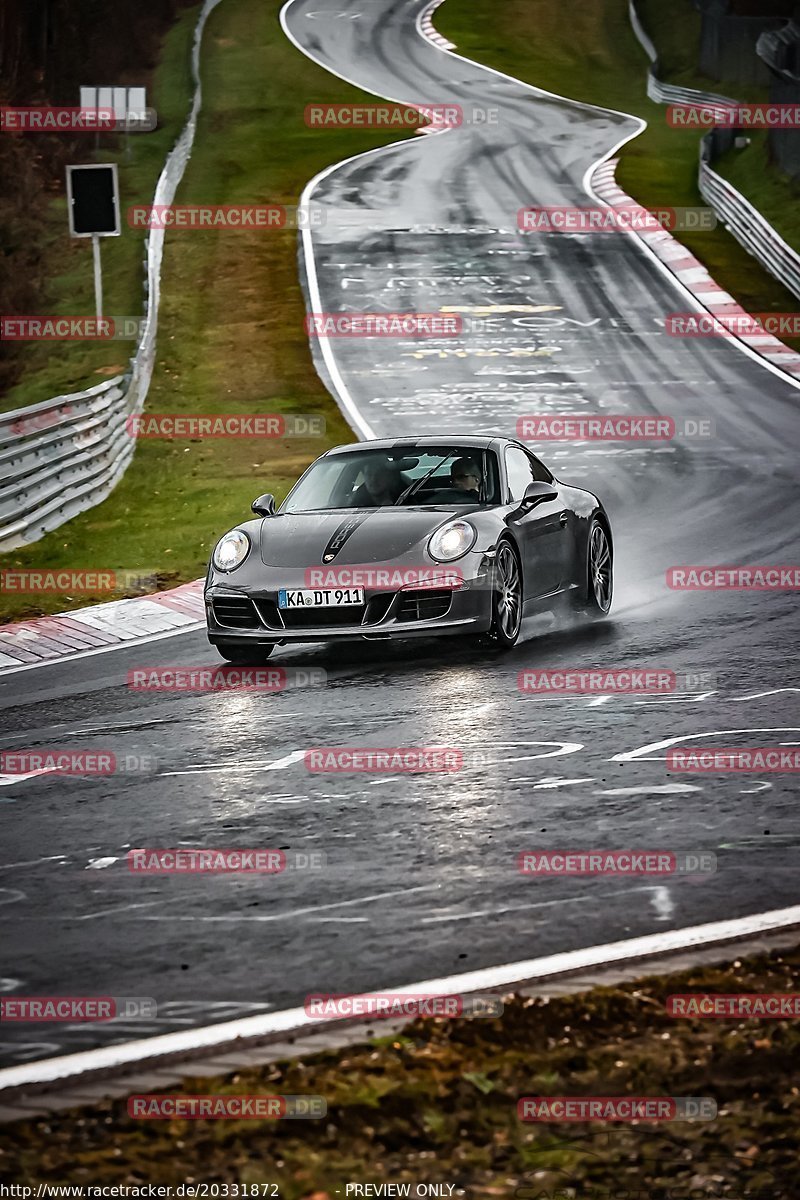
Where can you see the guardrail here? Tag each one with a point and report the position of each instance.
(748, 226)
(739, 216)
(65, 455)
(59, 457)
(667, 93)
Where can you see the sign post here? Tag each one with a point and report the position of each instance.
(98, 277)
(93, 203)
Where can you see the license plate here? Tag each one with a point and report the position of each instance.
(319, 597)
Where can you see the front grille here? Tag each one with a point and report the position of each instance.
(424, 605)
(322, 618)
(268, 611)
(378, 607)
(235, 612)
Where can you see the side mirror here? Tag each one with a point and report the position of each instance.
(264, 505)
(537, 492)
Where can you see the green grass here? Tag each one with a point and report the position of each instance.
(775, 194)
(231, 335)
(676, 33)
(589, 52)
(437, 1104)
(675, 30)
(51, 368)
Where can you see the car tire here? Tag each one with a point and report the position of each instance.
(507, 599)
(598, 572)
(244, 656)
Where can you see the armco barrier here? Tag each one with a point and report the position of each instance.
(65, 455)
(738, 215)
(59, 457)
(748, 226)
(665, 93)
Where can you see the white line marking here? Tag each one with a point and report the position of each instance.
(299, 912)
(562, 749)
(7, 780)
(555, 782)
(508, 975)
(106, 912)
(340, 920)
(289, 914)
(639, 754)
(761, 695)
(663, 789)
(496, 912)
(662, 903)
(32, 862)
(278, 764)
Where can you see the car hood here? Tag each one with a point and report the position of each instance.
(349, 536)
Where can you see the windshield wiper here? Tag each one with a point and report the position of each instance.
(417, 483)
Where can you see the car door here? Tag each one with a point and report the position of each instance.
(542, 531)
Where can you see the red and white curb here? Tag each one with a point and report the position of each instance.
(427, 30)
(691, 272)
(26, 644)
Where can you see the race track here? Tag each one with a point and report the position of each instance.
(421, 877)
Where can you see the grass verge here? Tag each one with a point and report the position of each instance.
(774, 194)
(51, 368)
(676, 33)
(437, 1103)
(231, 334)
(589, 52)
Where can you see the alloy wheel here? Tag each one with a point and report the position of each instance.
(600, 577)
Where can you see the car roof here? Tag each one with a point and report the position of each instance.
(410, 444)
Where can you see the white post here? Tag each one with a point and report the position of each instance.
(98, 278)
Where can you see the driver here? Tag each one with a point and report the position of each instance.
(383, 484)
(465, 479)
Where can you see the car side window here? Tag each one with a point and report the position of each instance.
(540, 471)
(519, 469)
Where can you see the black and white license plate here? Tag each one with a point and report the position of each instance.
(319, 597)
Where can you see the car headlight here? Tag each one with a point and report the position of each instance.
(452, 540)
(231, 550)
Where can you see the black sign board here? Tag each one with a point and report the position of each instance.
(93, 197)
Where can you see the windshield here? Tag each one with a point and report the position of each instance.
(450, 474)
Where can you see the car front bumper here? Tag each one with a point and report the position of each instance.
(247, 614)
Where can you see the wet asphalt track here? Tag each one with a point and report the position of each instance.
(421, 875)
